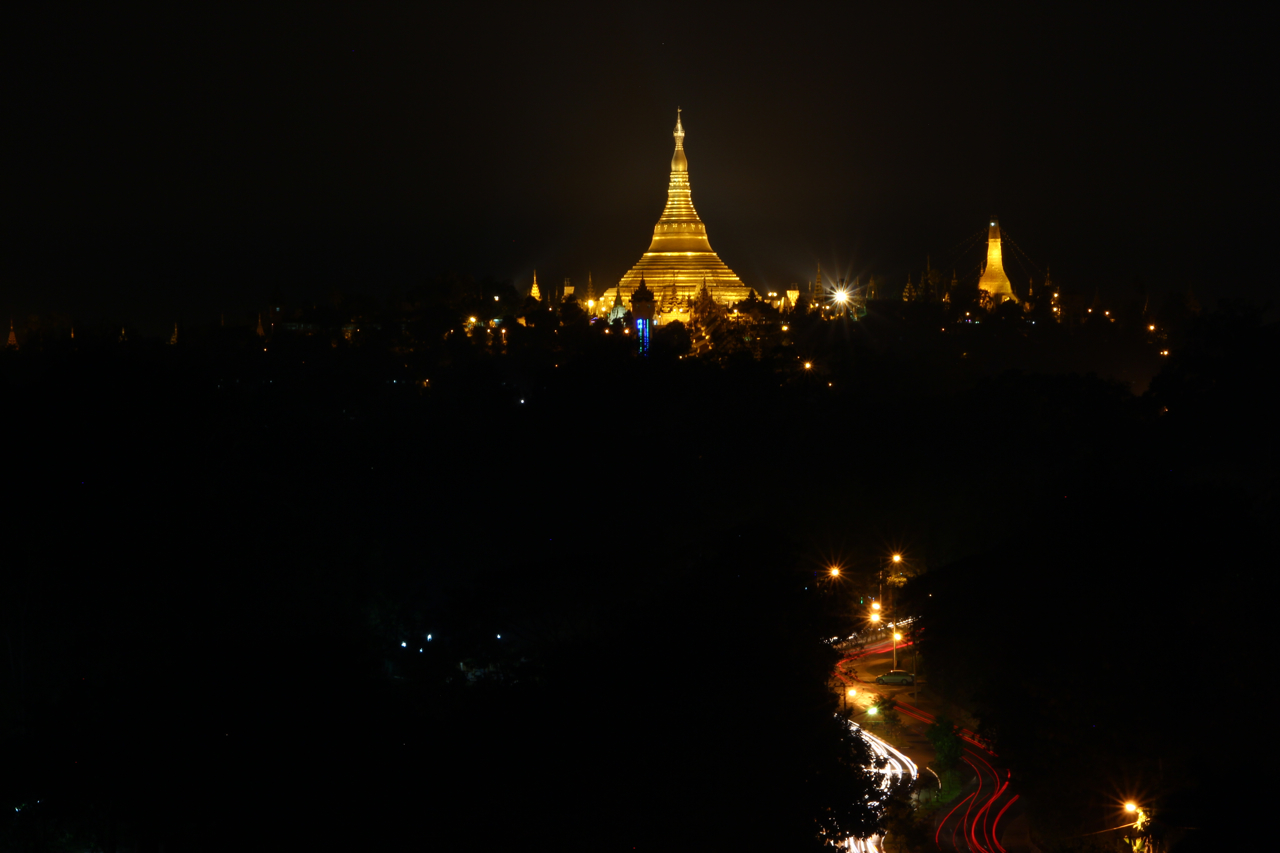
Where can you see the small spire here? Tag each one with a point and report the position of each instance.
(535, 292)
(13, 339)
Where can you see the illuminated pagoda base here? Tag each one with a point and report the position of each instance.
(680, 259)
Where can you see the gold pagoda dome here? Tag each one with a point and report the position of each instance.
(680, 252)
(994, 284)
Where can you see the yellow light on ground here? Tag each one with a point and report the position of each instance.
(875, 605)
(835, 572)
(875, 617)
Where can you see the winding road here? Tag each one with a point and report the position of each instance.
(972, 823)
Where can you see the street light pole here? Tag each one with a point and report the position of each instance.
(915, 668)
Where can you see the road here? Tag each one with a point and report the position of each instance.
(976, 821)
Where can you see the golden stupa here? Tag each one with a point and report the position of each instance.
(994, 284)
(680, 259)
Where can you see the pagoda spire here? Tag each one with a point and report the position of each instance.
(13, 339)
(679, 229)
(535, 292)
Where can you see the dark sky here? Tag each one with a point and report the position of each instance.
(186, 162)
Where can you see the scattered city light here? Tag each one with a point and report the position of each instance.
(875, 605)
(835, 572)
(499, 636)
(1151, 328)
(471, 319)
(875, 617)
(495, 299)
(808, 365)
(897, 636)
(784, 328)
(897, 558)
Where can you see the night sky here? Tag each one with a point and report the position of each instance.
(174, 165)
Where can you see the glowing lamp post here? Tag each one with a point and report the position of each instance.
(896, 637)
(1141, 839)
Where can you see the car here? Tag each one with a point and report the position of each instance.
(897, 676)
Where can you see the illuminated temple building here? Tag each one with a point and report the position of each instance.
(994, 284)
(680, 259)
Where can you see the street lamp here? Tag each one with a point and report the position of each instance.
(875, 617)
(1141, 839)
(896, 637)
(835, 571)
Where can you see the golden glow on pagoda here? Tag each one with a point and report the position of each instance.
(994, 284)
(535, 292)
(680, 256)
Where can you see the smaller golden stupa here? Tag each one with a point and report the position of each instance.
(994, 284)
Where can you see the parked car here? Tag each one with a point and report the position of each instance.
(897, 676)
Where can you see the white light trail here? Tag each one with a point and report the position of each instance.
(894, 769)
